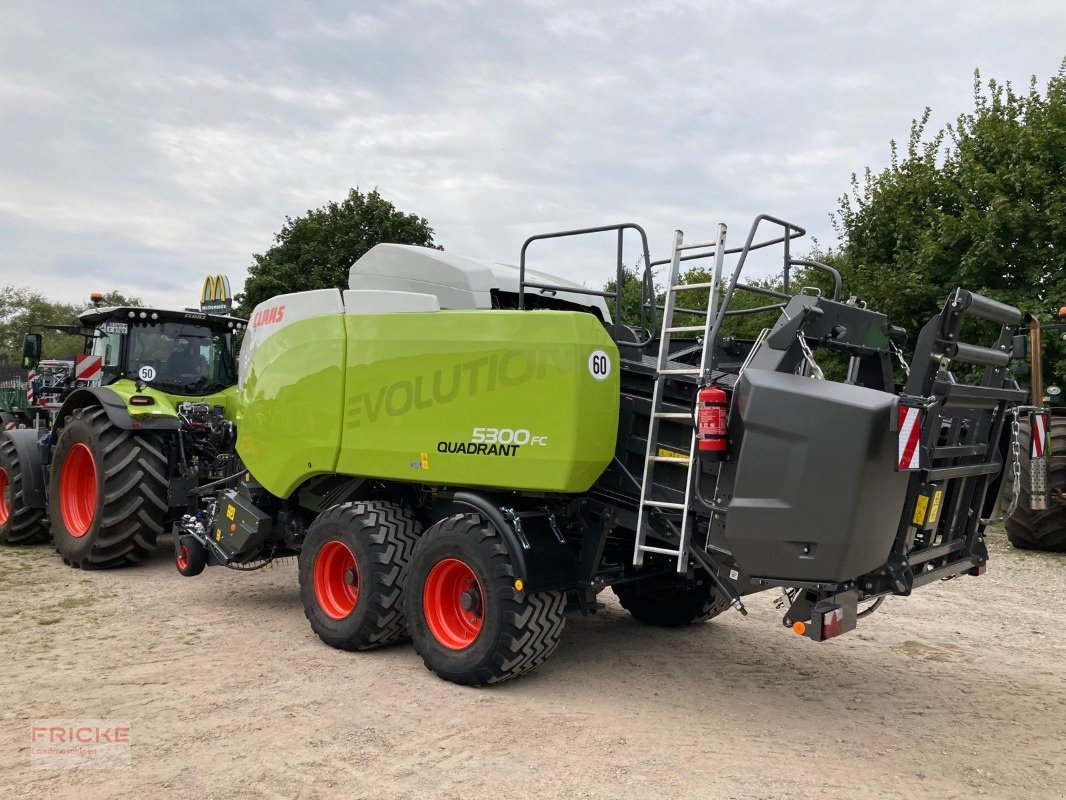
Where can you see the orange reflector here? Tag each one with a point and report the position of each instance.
(799, 628)
(1062, 311)
(518, 585)
(233, 527)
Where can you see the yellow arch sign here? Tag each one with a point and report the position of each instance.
(216, 297)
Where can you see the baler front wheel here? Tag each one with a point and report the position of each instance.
(671, 605)
(190, 557)
(352, 568)
(19, 524)
(468, 620)
(108, 494)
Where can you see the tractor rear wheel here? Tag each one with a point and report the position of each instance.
(352, 568)
(1045, 529)
(107, 497)
(469, 618)
(19, 523)
(671, 604)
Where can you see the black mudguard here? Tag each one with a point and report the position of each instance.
(31, 464)
(116, 410)
(539, 554)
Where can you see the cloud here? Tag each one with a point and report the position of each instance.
(146, 145)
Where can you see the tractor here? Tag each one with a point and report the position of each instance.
(146, 420)
(484, 448)
(1034, 497)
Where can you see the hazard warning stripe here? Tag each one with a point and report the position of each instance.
(29, 387)
(87, 367)
(910, 434)
(1039, 435)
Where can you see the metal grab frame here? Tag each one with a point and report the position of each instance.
(647, 287)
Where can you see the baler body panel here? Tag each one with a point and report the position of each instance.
(494, 399)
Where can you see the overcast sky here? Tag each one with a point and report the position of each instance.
(146, 144)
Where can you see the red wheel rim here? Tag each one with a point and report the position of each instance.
(453, 603)
(183, 557)
(77, 490)
(336, 579)
(5, 504)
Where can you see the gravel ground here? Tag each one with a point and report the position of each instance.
(957, 692)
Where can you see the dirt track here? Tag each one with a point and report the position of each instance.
(959, 691)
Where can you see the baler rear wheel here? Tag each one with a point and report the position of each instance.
(108, 494)
(352, 569)
(468, 620)
(19, 523)
(670, 605)
(1028, 529)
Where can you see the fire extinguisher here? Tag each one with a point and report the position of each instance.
(712, 432)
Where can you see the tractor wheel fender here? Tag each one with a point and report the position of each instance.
(29, 455)
(115, 408)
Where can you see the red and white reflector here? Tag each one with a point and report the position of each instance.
(29, 387)
(910, 437)
(1039, 429)
(87, 367)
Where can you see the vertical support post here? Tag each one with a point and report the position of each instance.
(788, 257)
(618, 288)
(1036, 358)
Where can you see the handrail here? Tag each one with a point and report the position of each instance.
(621, 228)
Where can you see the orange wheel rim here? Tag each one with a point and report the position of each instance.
(78, 490)
(336, 579)
(453, 604)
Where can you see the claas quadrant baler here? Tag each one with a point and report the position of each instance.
(462, 452)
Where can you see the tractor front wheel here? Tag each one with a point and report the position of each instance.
(469, 618)
(107, 497)
(352, 567)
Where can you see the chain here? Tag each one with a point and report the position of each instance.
(1016, 463)
(1016, 460)
(816, 371)
(899, 357)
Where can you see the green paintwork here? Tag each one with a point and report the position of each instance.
(166, 405)
(379, 395)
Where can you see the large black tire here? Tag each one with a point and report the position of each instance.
(1046, 529)
(19, 523)
(670, 603)
(107, 498)
(352, 569)
(502, 632)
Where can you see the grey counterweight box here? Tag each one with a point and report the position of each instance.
(815, 492)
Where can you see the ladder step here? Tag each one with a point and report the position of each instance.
(680, 287)
(697, 245)
(689, 371)
(687, 329)
(664, 504)
(671, 459)
(646, 548)
(672, 415)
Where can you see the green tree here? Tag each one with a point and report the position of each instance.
(315, 251)
(21, 310)
(980, 204)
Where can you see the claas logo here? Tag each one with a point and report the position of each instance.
(268, 316)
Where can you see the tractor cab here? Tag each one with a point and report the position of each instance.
(185, 353)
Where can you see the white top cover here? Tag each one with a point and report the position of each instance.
(381, 301)
(457, 282)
